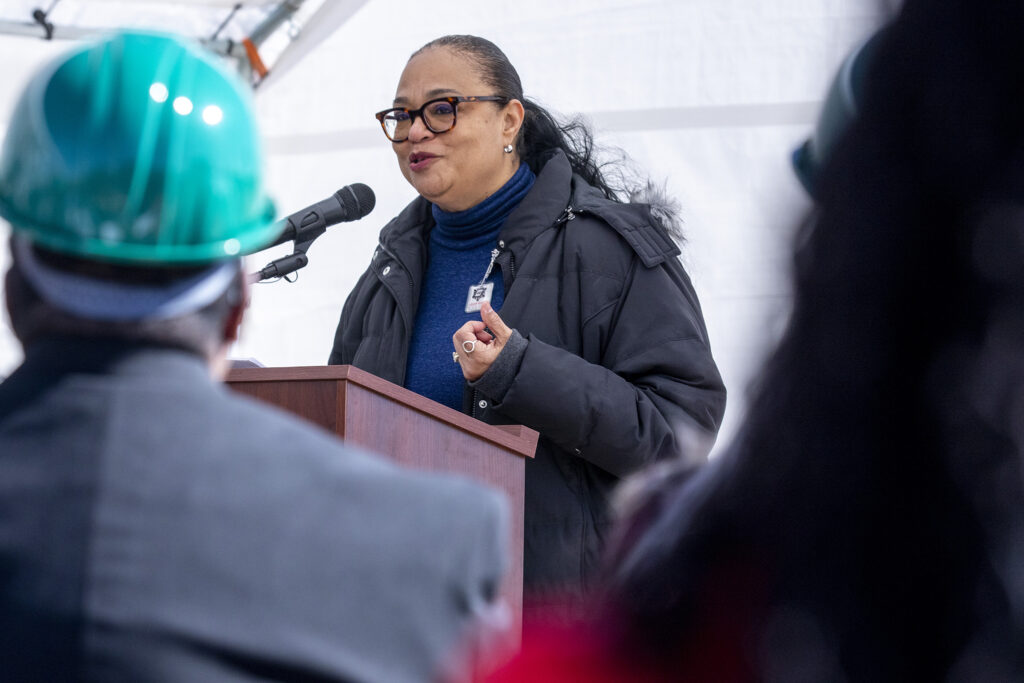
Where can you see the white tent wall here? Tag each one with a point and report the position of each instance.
(708, 97)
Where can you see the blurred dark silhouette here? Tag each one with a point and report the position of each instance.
(868, 521)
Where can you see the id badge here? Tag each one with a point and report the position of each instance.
(478, 294)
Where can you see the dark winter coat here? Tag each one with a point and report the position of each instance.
(617, 372)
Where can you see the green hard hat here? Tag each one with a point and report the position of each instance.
(138, 148)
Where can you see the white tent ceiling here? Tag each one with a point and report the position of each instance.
(278, 32)
(709, 96)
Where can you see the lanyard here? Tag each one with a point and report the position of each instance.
(480, 293)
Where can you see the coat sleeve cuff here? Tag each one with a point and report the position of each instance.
(495, 382)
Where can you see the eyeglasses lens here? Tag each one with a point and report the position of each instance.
(397, 124)
(439, 117)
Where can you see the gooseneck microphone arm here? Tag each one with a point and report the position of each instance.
(350, 203)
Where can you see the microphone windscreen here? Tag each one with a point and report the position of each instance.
(360, 199)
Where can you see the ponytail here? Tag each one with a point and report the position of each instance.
(541, 135)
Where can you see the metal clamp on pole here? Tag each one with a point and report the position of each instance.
(280, 267)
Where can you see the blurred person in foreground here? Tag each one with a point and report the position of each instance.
(868, 522)
(154, 525)
(600, 344)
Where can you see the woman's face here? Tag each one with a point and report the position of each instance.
(459, 168)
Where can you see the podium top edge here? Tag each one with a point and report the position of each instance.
(518, 438)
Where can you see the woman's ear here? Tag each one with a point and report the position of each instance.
(513, 120)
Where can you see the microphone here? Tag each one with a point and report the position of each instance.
(350, 203)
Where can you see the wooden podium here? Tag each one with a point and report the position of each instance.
(382, 417)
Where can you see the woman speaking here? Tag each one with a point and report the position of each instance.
(600, 344)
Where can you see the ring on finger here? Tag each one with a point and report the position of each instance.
(455, 356)
(469, 345)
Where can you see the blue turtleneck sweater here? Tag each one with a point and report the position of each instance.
(459, 250)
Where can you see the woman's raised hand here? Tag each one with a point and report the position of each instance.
(475, 348)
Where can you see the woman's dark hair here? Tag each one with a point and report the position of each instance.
(541, 135)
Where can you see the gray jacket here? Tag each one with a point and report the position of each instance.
(616, 371)
(154, 526)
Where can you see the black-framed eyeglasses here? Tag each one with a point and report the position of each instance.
(438, 115)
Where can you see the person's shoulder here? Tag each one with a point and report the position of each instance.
(640, 224)
(450, 506)
(267, 432)
(275, 440)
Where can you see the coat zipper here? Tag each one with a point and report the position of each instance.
(567, 215)
(495, 253)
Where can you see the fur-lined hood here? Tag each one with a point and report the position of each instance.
(665, 208)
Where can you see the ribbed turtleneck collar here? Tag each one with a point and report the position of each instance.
(477, 224)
